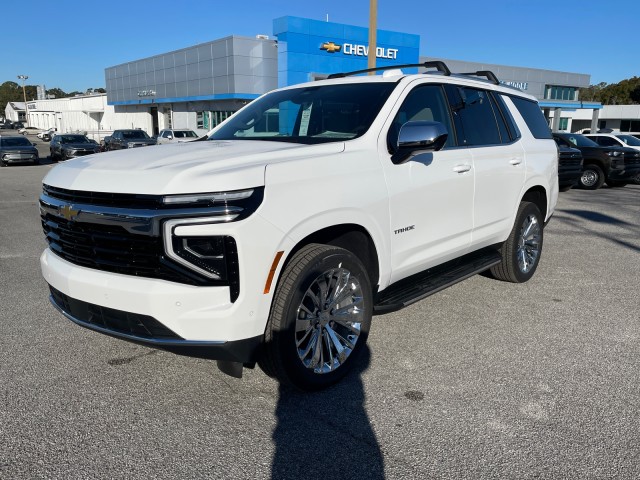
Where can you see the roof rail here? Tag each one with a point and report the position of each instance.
(440, 66)
(488, 74)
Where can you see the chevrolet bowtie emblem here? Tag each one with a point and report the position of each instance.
(330, 47)
(68, 213)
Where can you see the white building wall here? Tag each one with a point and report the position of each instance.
(612, 115)
(90, 114)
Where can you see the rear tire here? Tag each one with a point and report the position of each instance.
(320, 318)
(592, 177)
(521, 251)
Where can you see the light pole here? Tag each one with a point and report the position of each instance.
(373, 21)
(24, 94)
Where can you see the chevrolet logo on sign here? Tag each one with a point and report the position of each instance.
(68, 213)
(330, 47)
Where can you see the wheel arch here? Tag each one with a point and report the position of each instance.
(538, 196)
(350, 236)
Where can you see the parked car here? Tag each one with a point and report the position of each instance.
(133, 138)
(569, 166)
(71, 145)
(17, 125)
(615, 140)
(316, 206)
(176, 136)
(614, 165)
(17, 150)
(46, 135)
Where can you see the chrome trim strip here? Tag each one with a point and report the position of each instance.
(135, 221)
(125, 336)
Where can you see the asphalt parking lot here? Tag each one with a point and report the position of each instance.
(483, 380)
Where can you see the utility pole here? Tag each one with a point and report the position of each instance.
(24, 94)
(373, 21)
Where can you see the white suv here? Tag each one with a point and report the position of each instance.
(308, 211)
(615, 140)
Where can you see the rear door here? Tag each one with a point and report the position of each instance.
(498, 160)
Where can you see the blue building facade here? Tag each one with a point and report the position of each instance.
(311, 49)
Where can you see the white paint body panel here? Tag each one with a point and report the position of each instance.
(308, 188)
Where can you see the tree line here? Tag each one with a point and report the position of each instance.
(626, 92)
(12, 92)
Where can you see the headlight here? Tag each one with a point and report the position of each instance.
(207, 198)
(205, 255)
(613, 153)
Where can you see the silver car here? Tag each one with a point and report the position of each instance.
(17, 150)
(170, 135)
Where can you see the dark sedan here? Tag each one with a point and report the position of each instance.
(17, 150)
(66, 146)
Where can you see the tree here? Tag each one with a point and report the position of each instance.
(635, 94)
(56, 92)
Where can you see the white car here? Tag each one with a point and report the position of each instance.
(46, 134)
(615, 140)
(176, 136)
(311, 209)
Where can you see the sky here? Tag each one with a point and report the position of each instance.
(68, 43)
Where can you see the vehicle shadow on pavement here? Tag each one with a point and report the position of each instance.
(326, 434)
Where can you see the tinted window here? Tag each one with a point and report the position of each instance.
(605, 141)
(474, 116)
(533, 117)
(134, 134)
(577, 140)
(424, 103)
(15, 142)
(629, 140)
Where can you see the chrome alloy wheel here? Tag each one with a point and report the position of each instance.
(589, 178)
(329, 320)
(528, 249)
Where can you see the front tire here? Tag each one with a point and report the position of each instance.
(521, 251)
(320, 318)
(592, 177)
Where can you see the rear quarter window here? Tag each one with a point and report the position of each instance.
(533, 117)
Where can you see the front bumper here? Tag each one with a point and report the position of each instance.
(19, 157)
(627, 173)
(146, 330)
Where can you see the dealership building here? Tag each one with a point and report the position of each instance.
(199, 86)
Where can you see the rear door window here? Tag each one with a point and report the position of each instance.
(533, 117)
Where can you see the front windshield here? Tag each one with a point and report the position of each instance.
(629, 140)
(581, 141)
(74, 139)
(15, 142)
(313, 114)
(134, 134)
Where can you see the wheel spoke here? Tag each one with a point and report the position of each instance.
(310, 345)
(338, 345)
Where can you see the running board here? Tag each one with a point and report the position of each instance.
(421, 285)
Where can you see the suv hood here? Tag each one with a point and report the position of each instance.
(192, 167)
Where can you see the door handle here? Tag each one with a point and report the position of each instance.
(461, 168)
(515, 161)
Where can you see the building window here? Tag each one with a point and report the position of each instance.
(630, 125)
(209, 120)
(564, 123)
(554, 92)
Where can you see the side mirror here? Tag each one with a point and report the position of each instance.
(35, 145)
(423, 136)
